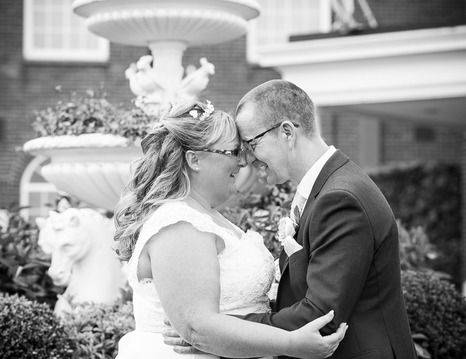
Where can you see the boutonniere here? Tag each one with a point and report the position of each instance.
(286, 232)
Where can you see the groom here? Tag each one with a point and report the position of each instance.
(346, 257)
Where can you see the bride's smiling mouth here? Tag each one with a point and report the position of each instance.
(234, 173)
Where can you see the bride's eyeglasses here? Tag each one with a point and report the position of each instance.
(253, 142)
(232, 153)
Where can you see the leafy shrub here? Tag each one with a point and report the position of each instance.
(436, 310)
(262, 211)
(96, 328)
(31, 330)
(416, 251)
(428, 195)
(91, 113)
(23, 265)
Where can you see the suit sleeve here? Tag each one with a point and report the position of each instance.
(341, 251)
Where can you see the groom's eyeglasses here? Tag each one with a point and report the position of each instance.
(252, 143)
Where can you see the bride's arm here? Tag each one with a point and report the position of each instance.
(187, 277)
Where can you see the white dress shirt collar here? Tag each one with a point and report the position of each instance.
(307, 182)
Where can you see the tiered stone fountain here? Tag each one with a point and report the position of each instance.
(95, 167)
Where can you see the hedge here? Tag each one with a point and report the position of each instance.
(428, 195)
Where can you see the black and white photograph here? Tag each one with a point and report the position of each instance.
(210, 179)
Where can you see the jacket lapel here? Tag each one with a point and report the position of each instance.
(337, 160)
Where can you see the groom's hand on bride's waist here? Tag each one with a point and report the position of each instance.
(172, 338)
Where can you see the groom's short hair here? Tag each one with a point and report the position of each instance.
(280, 99)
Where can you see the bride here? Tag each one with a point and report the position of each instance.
(189, 263)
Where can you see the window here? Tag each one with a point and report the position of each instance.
(424, 134)
(280, 19)
(52, 32)
(35, 192)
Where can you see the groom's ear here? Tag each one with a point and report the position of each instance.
(288, 131)
(192, 160)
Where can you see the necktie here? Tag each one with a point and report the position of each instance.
(297, 207)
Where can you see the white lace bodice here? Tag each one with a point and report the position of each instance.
(246, 267)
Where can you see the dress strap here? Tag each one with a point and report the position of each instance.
(168, 214)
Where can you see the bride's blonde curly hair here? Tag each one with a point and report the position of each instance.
(161, 174)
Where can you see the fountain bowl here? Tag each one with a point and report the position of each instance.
(143, 22)
(93, 167)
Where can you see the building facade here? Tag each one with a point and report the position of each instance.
(392, 90)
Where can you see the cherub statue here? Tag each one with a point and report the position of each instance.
(143, 79)
(195, 81)
(153, 97)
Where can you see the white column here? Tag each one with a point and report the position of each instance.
(463, 213)
(369, 142)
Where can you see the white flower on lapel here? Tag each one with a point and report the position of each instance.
(286, 228)
(286, 232)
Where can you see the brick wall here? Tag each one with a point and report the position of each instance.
(417, 12)
(399, 139)
(340, 132)
(27, 86)
(401, 143)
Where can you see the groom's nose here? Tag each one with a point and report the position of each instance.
(242, 159)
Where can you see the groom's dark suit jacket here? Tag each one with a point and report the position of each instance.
(349, 263)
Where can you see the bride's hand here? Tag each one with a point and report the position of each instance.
(307, 343)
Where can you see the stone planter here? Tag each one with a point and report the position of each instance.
(93, 167)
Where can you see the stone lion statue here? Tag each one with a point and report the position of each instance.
(80, 244)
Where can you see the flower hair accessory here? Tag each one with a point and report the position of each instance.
(202, 111)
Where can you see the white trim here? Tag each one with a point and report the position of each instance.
(31, 53)
(363, 46)
(325, 16)
(369, 142)
(26, 177)
(389, 67)
(403, 78)
(373, 95)
(252, 55)
(26, 187)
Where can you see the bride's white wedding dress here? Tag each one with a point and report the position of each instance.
(246, 274)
